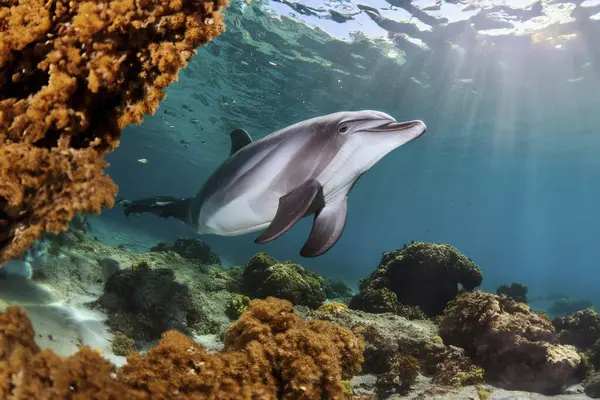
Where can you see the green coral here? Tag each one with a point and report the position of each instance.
(264, 276)
(237, 305)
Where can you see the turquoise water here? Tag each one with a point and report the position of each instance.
(507, 172)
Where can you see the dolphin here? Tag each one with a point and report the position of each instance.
(308, 168)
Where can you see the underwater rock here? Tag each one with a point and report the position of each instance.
(516, 347)
(516, 291)
(143, 303)
(393, 343)
(563, 307)
(582, 330)
(591, 386)
(190, 248)
(264, 276)
(425, 275)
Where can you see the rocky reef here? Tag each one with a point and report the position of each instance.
(423, 275)
(517, 348)
(263, 276)
(73, 74)
(399, 353)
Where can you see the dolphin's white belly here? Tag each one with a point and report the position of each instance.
(249, 213)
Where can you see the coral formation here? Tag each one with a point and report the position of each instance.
(516, 291)
(143, 302)
(516, 347)
(581, 329)
(264, 276)
(73, 74)
(190, 248)
(393, 343)
(426, 275)
(270, 354)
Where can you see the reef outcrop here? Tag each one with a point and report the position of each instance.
(264, 276)
(142, 303)
(270, 353)
(73, 74)
(582, 330)
(423, 275)
(516, 347)
(190, 248)
(398, 350)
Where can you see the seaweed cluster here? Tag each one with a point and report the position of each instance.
(423, 275)
(270, 353)
(73, 74)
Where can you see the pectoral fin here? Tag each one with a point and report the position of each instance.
(292, 207)
(327, 228)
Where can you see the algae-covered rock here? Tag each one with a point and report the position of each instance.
(142, 302)
(581, 329)
(591, 386)
(516, 347)
(425, 275)
(264, 276)
(191, 249)
(393, 343)
(516, 291)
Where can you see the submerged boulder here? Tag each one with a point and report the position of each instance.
(191, 249)
(424, 275)
(516, 347)
(264, 276)
(581, 329)
(398, 351)
(142, 303)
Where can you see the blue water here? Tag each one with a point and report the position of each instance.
(508, 171)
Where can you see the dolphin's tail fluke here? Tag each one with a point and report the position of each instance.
(162, 206)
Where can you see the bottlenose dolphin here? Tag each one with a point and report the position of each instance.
(308, 168)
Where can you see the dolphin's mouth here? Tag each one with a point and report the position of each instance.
(400, 126)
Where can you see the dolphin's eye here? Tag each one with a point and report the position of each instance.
(343, 128)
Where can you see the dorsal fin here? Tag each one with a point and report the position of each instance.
(239, 139)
